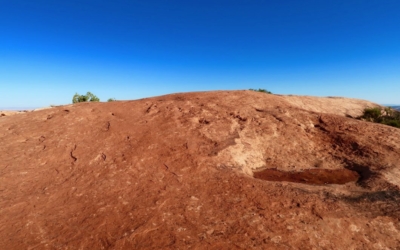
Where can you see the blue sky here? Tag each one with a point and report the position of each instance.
(49, 50)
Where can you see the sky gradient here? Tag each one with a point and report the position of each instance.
(49, 50)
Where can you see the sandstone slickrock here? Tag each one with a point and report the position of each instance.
(177, 172)
(9, 113)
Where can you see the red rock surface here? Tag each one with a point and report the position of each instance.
(176, 172)
(10, 112)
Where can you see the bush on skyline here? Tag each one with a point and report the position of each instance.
(89, 97)
(262, 90)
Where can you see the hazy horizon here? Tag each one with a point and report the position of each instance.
(135, 49)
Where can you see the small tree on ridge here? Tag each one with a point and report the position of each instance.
(89, 97)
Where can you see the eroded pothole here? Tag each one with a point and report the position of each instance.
(310, 176)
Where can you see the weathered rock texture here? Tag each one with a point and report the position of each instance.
(9, 113)
(176, 172)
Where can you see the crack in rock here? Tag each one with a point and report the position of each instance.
(72, 155)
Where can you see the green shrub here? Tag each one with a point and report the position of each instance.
(393, 123)
(372, 113)
(388, 117)
(89, 97)
(111, 100)
(262, 90)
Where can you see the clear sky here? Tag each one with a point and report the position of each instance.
(128, 49)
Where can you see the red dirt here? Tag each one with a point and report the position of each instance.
(176, 172)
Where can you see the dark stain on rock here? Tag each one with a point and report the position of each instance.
(310, 176)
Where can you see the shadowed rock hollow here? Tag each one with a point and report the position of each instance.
(213, 170)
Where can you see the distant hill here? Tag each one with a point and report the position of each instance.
(396, 107)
